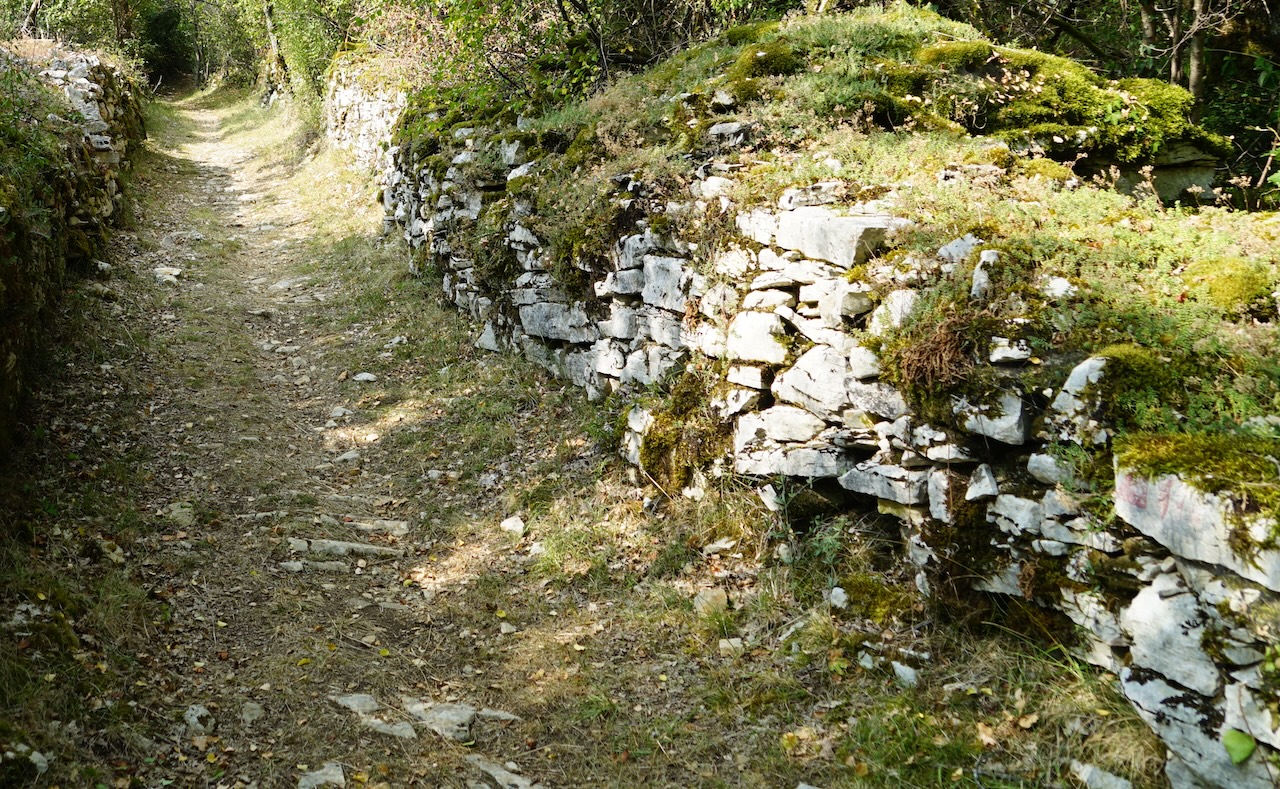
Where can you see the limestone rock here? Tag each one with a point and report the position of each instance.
(894, 483)
(892, 312)
(821, 193)
(959, 250)
(735, 401)
(816, 382)
(731, 134)
(1007, 421)
(844, 300)
(751, 377)
(514, 526)
(1070, 416)
(328, 775)
(804, 462)
(1006, 351)
(1094, 777)
(199, 719)
(758, 225)
(1045, 469)
(768, 299)
(667, 283)
(1192, 730)
(754, 337)
(1196, 525)
(359, 703)
(1165, 626)
(788, 423)
(501, 775)
(558, 322)
(710, 601)
(863, 363)
(879, 399)
(1247, 710)
(451, 721)
(1015, 515)
(719, 302)
(821, 233)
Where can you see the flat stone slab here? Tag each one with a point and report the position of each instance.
(1196, 525)
(887, 482)
(340, 548)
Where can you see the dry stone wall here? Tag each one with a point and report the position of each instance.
(83, 194)
(788, 316)
(360, 113)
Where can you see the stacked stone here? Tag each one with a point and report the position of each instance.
(103, 122)
(360, 114)
(1161, 598)
(111, 116)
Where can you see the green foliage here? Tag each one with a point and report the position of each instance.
(1139, 388)
(1239, 745)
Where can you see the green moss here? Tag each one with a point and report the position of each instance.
(960, 55)
(584, 149)
(1045, 168)
(870, 597)
(773, 58)
(1139, 389)
(685, 434)
(749, 33)
(1235, 285)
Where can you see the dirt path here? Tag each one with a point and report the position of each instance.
(304, 636)
(315, 504)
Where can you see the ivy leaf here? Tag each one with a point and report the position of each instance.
(1239, 745)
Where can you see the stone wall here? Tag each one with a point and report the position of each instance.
(786, 319)
(360, 113)
(83, 194)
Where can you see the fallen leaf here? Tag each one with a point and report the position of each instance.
(986, 736)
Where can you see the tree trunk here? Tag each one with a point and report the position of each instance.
(1200, 24)
(195, 35)
(277, 71)
(27, 23)
(1150, 30)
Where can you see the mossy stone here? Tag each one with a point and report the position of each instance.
(1045, 168)
(749, 33)
(1244, 467)
(1235, 285)
(768, 59)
